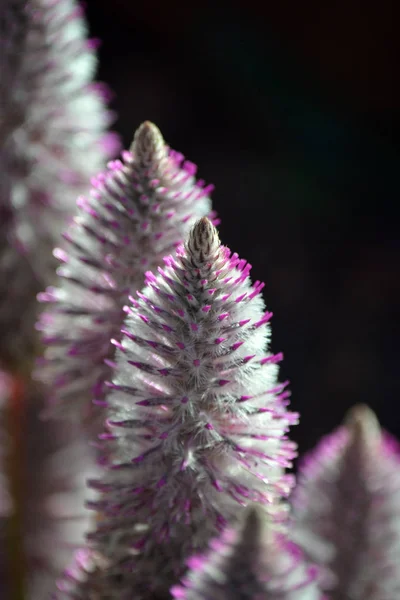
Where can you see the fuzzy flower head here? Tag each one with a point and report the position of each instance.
(250, 562)
(52, 119)
(138, 211)
(197, 418)
(346, 510)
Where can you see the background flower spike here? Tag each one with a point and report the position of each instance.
(53, 136)
(364, 428)
(346, 509)
(249, 562)
(139, 210)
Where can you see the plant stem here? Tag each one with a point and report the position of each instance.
(15, 545)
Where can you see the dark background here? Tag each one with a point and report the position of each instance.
(292, 109)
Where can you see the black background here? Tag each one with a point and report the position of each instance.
(292, 110)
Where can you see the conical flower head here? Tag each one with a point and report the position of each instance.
(139, 210)
(197, 418)
(52, 119)
(346, 510)
(250, 562)
(52, 137)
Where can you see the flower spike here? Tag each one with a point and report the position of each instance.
(53, 136)
(346, 510)
(53, 131)
(197, 420)
(139, 210)
(250, 562)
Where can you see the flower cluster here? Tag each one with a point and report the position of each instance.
(138, 211)
(162, 471)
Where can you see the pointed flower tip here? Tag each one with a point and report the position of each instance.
(254, 520)
(363, 425)
(148, 142)
(256, 527)
(203, 240)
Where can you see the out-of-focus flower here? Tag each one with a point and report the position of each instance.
(52, 115)
(43, 478)
(197, 419)
(250, 562)
(52, 138)
(346, 510)
(138, 211)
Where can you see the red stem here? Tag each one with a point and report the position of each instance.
(15, 538)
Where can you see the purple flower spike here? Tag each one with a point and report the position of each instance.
(138, 211)
(53, 118)
(52, 138)
(251, 562)
(347, 510)
(187, 453)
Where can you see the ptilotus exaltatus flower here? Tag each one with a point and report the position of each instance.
(249, 562)
(53, 116)
(138, 211)
(347, 510)
(44, 470)
(197, 419)
(52, 138)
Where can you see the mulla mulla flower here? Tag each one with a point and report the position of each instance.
(44, 471)
(197, 420)
(249, 562)
(138, 211)
(52, 118)
(346, 510)
(52, 137)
